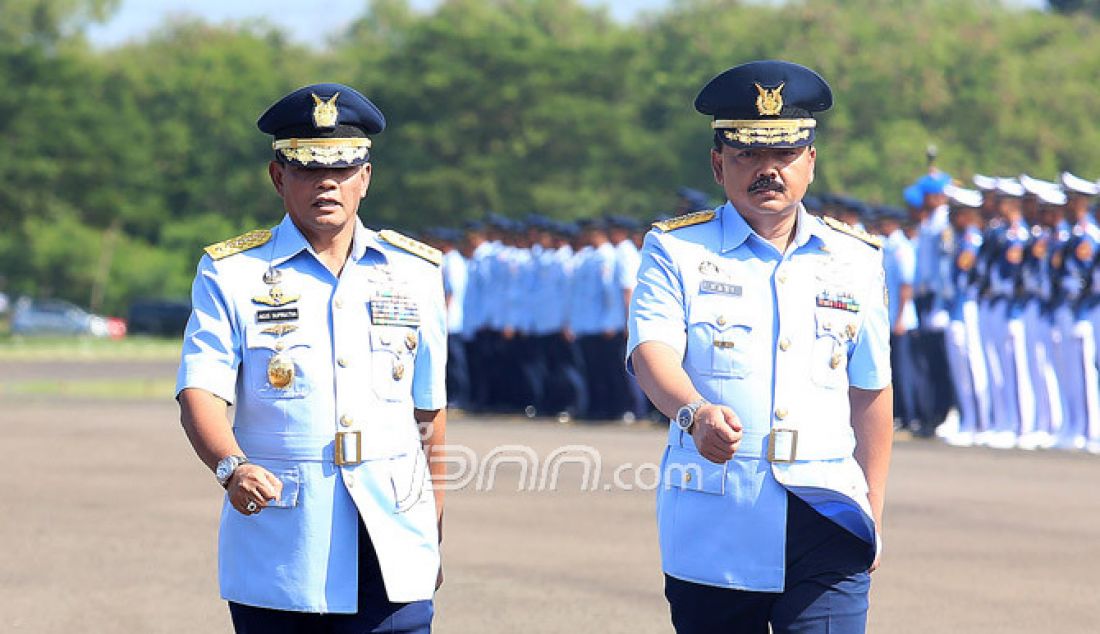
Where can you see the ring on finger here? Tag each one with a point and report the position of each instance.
(251, 507)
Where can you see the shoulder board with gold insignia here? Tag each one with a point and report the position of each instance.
(243, 242)
(858, 234)
(686, 220)
(415, 247)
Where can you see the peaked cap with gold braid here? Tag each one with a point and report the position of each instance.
(765, 104)
(323, 125)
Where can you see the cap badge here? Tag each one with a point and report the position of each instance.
(770, 100)
(325, 113)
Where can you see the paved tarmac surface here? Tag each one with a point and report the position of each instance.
(109, 525)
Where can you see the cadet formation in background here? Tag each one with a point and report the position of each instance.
(994, 298)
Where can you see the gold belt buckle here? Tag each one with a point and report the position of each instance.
(339, 453)
(783, 445)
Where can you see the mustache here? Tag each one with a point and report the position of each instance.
(765, 183)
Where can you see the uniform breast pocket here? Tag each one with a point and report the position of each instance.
(719, 341)
(829, 361)
(393, 351)
(277, 368)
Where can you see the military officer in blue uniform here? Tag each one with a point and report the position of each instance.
(763, 333)
(330, 341)
(900, 263)
(963, 342)
(1075, 267)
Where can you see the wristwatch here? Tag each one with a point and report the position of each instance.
(226, 467)
(685, 416)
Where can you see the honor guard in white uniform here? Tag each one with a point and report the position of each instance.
(762, 332)
(330, 341)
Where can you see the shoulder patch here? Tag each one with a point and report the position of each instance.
(686, 220)
(241, 243)
(415, 247)
(848, 229)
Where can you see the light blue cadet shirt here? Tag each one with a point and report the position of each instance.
(779, 338)
(366, 348)
(900, 263)
(455, 276)
(597, 304)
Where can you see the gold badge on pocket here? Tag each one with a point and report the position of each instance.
(280, 371)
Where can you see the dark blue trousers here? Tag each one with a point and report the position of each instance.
(825, 591)
(376, 614)
(903, 362)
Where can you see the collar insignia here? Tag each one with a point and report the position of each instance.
(769, 101)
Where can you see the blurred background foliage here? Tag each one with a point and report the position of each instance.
(117, 165)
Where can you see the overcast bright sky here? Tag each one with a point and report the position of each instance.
(303, 20)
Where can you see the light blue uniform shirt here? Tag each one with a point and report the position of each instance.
(512, 279)
(454, 285)
(596, 297)
(930, 251)
(779, 338)
(627, 261)
(549, 292)
(478, 290)
(497, 296)
(354, 372)
(900, 264)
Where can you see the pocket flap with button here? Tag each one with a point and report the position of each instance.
(290, 476)
(686, 469)
(719, 338)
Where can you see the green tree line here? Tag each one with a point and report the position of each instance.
(119, 164)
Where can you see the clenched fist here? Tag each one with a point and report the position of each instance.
(717, 432)
(252, 483)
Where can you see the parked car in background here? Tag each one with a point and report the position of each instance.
(59, 317)
(161, 317)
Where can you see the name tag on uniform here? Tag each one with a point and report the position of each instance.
(281, 314)
(392, 308)
(721, 288)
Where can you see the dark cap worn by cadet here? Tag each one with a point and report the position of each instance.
(765, 104)
(322, 126)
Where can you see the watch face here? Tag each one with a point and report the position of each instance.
(683, 417)
(226, 468)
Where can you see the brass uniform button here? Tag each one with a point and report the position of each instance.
(342, 362)
(687, 478)
(721, 320)
(785, 344)
(780, 413)
(346, 420)
(834, 362)
(398, 371)
(782, 278)
(339, 303)
(410, 341)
